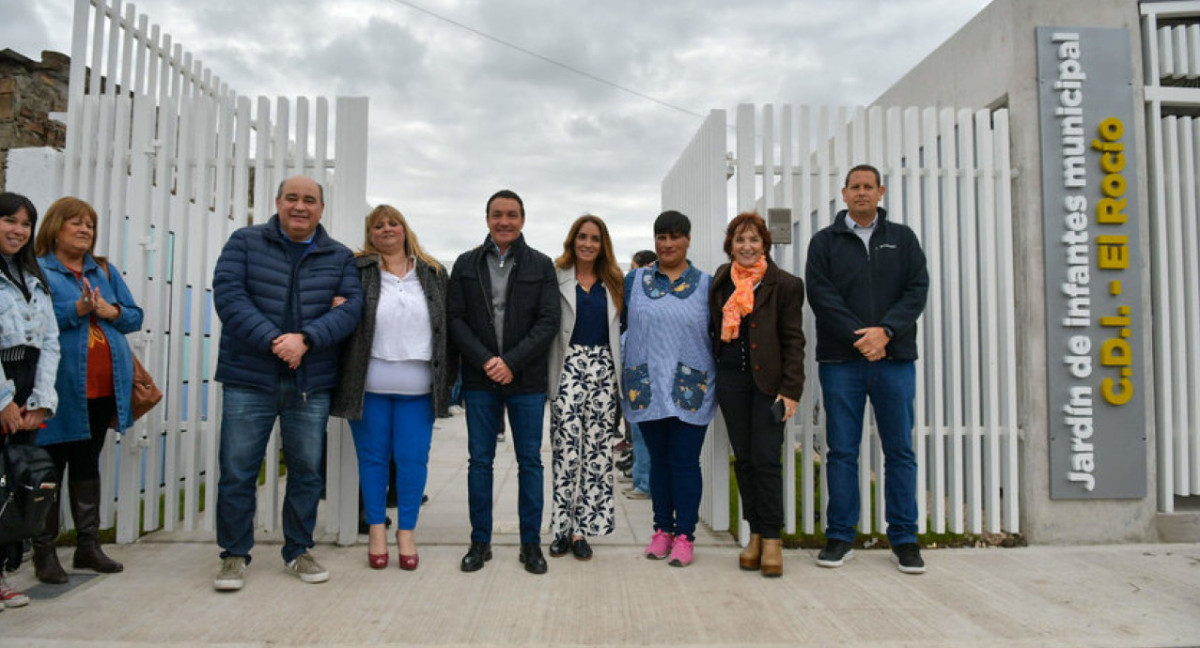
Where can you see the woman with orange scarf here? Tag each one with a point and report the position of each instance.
(760, 375)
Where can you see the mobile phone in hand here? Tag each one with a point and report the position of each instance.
(777, 409)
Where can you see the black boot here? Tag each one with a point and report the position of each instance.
(85, 508)
(45, 550)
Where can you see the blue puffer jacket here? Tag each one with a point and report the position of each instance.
(251, 284)
(70, 422)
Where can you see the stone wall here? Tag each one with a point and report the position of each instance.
(29, 91)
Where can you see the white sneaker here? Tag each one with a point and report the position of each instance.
(232, 574)
(308, 569)
(10, 597)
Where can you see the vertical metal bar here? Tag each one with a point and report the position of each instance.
(1005, 256)
(744, 178)
(168, 213)
(810, 427)
(971, 322)
(321, 143)
(914, 219)
(132, 471)
(951, 291)
(1178, 390)
(991, 314)
(1191, 167)
(181, 419)
(934, 352)
(300, 161)
(75, 92)
(97, 57)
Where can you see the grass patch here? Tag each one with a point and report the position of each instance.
(875, 540)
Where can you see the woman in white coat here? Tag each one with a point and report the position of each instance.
(585, 361)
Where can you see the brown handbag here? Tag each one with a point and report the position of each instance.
(144, 394)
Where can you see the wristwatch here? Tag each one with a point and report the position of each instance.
(887, 330)
(308, 341)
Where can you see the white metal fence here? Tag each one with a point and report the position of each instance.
(1171, 31)
(948, 176)
(173, 161)
(695, 186)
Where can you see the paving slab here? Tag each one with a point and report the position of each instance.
(1120, 595)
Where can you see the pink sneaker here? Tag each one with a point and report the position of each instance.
(10, 597)
(660, 545)
(681, 551)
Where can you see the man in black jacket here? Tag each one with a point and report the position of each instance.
(867, 285)
(503, 316)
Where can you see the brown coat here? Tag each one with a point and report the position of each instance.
(776, 328)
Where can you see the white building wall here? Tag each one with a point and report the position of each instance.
(35, 173)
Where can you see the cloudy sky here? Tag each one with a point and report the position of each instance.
(455, 116)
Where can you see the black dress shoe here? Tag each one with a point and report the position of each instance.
(477, 555)
(581, 549)
(560, 547)
(531, 555)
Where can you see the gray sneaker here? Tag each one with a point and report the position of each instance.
(231, 575)
(308, 569)
(635, 494)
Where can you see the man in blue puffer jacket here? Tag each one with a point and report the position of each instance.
(274, 289)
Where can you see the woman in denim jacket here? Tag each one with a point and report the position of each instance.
(28, 348)
(95, 310)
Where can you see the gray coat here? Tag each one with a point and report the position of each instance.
(356, 350)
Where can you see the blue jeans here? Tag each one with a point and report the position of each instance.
(675, 478)
(456, 391)
(641, 460)
(891, 386)
(525, 412)
(395, 427)
(246, 422)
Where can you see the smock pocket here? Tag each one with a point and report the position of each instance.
(637, 386)
(691, 385)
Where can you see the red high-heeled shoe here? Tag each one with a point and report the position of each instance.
(378, 561)
(408, 563)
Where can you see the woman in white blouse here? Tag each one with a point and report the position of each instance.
(395, 376)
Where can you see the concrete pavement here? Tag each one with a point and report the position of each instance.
(1126, 595)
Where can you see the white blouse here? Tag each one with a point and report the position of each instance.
(403, 345)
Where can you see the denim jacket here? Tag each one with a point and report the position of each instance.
(30, 323)
(71, 421)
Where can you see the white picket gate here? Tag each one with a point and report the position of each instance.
(948, 176)
(173, 161)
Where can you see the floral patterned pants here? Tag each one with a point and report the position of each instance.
(583, 423)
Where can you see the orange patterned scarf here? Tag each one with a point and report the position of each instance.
(741, 302)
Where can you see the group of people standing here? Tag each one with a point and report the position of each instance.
(311, 328)
(379, 337)
(670, 345)
(67, 369)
